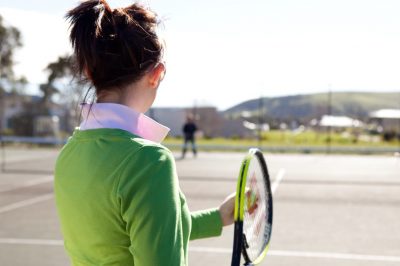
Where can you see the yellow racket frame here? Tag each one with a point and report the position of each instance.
(240, 196)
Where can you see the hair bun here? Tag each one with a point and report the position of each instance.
(113, 47)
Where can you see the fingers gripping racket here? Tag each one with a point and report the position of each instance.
(253, 211)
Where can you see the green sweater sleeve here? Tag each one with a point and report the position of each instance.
(151, 208)
(206, 223)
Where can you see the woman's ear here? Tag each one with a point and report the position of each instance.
(157, 75)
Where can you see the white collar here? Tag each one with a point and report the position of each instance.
(111, 115)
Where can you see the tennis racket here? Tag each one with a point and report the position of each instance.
(253, 211)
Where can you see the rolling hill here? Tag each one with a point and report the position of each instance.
(308, 106)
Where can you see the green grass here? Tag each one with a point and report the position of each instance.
(287, 138)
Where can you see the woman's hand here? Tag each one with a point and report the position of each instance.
(226, 210)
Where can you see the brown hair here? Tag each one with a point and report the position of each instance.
(113, 47)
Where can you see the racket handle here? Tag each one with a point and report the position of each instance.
(237, 243)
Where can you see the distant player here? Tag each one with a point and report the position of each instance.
(189, 129)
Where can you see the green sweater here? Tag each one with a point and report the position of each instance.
(119, 202)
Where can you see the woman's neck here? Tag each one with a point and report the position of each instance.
(134, 96)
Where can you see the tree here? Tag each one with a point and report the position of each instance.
(10, 40)
(61, 82)
(60, 78)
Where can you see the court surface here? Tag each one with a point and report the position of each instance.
(328, 210)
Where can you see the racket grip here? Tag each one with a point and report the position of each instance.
(237, 243)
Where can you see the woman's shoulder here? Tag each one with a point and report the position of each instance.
(151, 150)
(149, 161)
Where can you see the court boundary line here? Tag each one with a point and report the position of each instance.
(24, 158)
(25, 203)
(31, 241)
(31, 183)
(278, 179)
(308, 254)
(278, 253)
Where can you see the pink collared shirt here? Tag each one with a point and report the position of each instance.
(111, 115)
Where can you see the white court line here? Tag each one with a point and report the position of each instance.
(30, 183)
(37, 242)
(305, 254)
(342, 256)
(278, 179)
(21, 158)
(25, 203)
(278, 253)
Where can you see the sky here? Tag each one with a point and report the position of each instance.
(222, 52)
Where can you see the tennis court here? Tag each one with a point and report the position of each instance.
(328, 210)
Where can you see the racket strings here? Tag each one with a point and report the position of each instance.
(254, 226)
